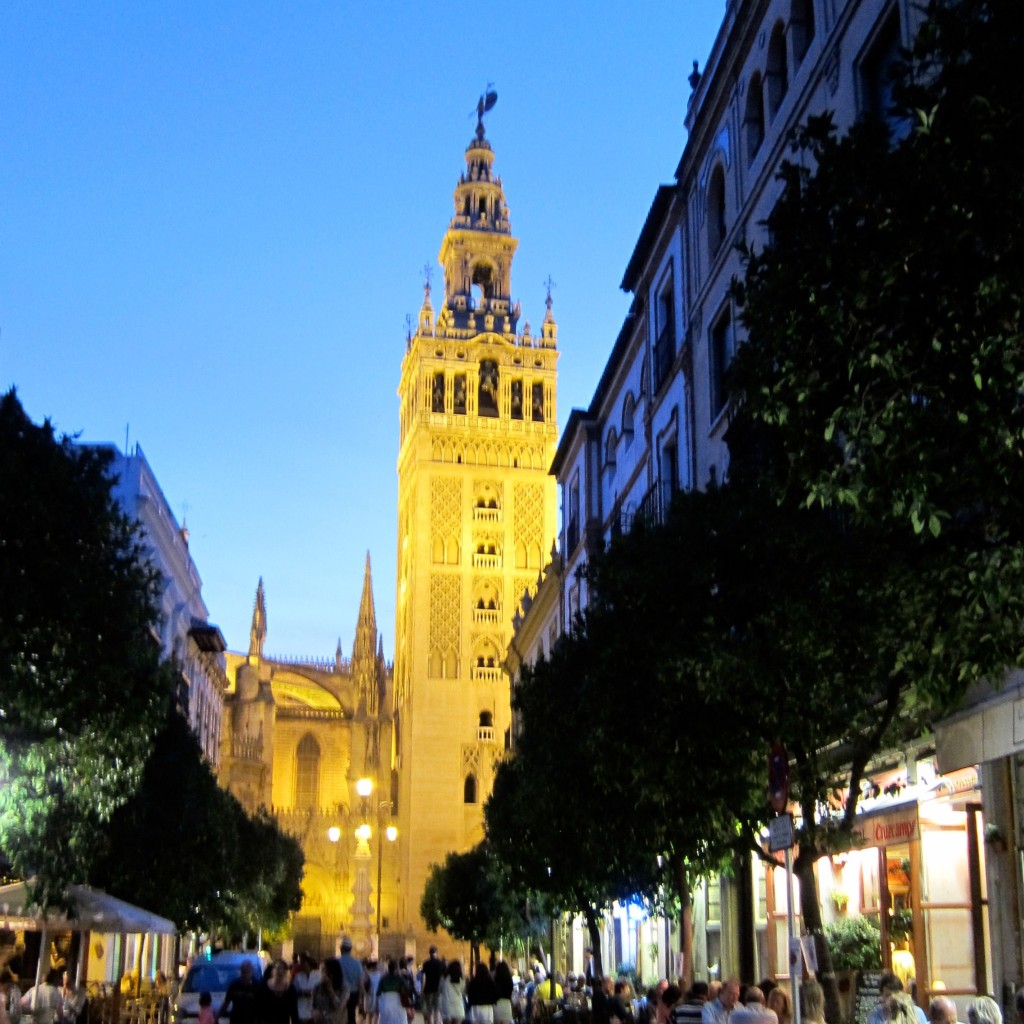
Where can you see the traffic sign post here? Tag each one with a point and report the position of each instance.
(780, 837)
(778, 778)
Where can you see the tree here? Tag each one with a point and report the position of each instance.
(265, 893)
(885, 350)
(646, 804)
(884, 368)
(765, 622)
(740, 621)
(82, 689)
(182, 847)
(470, 898)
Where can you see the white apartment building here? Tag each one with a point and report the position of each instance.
(185, 632)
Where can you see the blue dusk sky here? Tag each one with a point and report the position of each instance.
(215, 218)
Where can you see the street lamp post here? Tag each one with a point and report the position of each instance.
(364, 788)
(392, 834)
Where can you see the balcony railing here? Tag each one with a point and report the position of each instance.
(486, 616)
(487, 515)
(486, 674)
(482, 561)
(485, 734)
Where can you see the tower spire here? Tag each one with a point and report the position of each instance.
(478, 248)
(258, 629)
(364, 650)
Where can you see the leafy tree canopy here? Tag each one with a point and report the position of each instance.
(471, 898)
(884, 317)
(82, 689)
(182, 847)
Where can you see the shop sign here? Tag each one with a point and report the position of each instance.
(889, 829)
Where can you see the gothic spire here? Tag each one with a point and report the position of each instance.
(364, 650)
(258, 629)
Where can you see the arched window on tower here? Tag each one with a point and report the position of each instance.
(487, 399)
(469, 790)
(307, 774)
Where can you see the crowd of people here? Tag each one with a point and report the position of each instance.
(345, 990)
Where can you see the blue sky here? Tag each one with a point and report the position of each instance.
(215, 218)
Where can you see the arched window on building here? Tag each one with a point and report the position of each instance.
(611, 447)
(753, 118)
(307, 774)
(801, 27)
(716, 210)
(777, 72)
(628, 416)
(469, 790)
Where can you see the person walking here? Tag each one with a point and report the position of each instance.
(391, 998)
(432, 970)
(305, 979)
(278, 1002)
(352, 971)
(504, 984)
(330, 997)
(482, 994)
(453, 994)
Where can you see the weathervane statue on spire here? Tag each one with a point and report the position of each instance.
(485, 103)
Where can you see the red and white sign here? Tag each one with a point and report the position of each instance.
(891, 828)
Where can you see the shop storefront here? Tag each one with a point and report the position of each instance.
(918, 871)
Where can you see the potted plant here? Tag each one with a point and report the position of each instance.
(856, 945)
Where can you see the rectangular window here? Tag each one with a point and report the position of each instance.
(572, 529)
(720, 354)
(669, 476)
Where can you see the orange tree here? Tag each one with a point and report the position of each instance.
(182, 847)
(82, 689)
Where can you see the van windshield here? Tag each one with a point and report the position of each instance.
(210, 977)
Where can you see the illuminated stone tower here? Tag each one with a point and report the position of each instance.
(476, 520)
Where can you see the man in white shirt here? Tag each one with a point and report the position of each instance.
(719, 1010)
(307, 977)
(888, 986)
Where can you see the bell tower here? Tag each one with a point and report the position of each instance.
(476, 517)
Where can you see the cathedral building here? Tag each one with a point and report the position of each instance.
(298, 736)
(381, 776)
(476, 521)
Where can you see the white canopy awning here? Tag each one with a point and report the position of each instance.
(94, 911)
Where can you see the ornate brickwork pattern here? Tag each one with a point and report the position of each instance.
(446, 506)
(445, 611)
(470, 759)
(528, 503)
(524, 584)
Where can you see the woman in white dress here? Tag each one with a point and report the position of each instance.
(453, 994)
(390, 1005)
